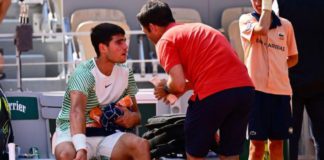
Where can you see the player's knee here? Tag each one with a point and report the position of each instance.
(142, 145)
(145, 144)
(64, 155)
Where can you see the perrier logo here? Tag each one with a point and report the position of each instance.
(23, 108)
(17, 107)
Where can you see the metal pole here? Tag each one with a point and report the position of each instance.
(18, 62)
(141, 54)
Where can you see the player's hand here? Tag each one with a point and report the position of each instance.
(125, 120)
(81, 155)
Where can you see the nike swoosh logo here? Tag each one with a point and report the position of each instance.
(106, 86)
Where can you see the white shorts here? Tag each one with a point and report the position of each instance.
(96, 146)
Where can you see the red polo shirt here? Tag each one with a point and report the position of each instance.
(207, 58)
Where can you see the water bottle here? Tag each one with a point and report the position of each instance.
(35, 152)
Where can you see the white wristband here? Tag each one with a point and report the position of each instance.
(79, 141)
(267, 5)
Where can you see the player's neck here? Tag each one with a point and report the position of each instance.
(104, 66)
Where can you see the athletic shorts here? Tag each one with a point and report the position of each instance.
(97, 147)
(270, 118)
(227, 111)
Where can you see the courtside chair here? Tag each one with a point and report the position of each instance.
(186, 15)
(86, 49)
(94, 16)
(231, 14)
(235, 39)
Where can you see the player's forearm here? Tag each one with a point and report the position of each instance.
(77, 121)
(264, 23)
(265, 20)
(137, 114)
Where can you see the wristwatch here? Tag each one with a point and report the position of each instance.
(166, 89)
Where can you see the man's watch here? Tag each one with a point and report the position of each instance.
(166, 89)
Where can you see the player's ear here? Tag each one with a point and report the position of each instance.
(102, 47)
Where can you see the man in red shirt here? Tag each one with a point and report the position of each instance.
(199, 57)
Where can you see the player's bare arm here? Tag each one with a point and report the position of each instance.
(264, 8)
(77, 119)
(77, 114)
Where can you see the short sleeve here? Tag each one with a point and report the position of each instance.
(291, 41)
(167, 54)
(132, 87)
(81, 81)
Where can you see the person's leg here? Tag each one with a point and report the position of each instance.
(315, 110)
(233, 128)
(124, 146)
(280, 125)
(259, 125)
(230, 116)
(256, 149)
(297, 120)
(65, 151)
(63, 147)
(198, 136)
(276, 149)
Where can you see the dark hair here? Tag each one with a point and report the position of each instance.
(102, 33)
(155, 12)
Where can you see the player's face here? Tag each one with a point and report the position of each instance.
(117, 49)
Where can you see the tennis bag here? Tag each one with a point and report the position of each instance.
(6, 134)
(166, 136)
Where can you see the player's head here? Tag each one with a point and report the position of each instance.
(103, 34)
